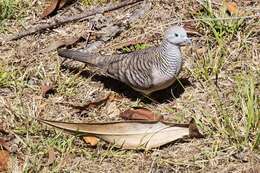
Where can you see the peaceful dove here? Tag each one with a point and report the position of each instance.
(147, 70)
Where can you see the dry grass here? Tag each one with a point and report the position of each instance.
(222, 65)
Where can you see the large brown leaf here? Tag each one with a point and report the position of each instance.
(4, 159)
(53, 6)
(129, 134)
(140, 114)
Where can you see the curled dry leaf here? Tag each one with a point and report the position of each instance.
(4, 159)
(232, 8)
(193, 130)
(51, 8)
(140, 114)
(91, 140)
(129, 134)
(51, 156)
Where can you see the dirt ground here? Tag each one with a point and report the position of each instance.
(218, 87)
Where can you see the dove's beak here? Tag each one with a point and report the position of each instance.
(186, 41)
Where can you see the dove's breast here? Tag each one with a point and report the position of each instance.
(162, 80)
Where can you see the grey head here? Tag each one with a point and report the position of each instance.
(177, 35)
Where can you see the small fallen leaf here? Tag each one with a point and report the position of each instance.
(51, 156)
(140, 114)
(46, 88)
(91, 140)
(51, 8)
(194, 131)
(4, 159)
(129, 134)
(232, 8)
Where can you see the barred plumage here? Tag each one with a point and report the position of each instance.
(147, 70)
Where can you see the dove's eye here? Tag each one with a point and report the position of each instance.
(176, 35)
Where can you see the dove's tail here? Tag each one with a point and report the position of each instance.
(93, 59)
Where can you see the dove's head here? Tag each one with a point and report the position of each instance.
(177, 35)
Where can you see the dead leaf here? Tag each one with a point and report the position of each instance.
(232, 8)
(194, 131)
(129, 134)
(4, 159)
(46, 89)
(140, 114)
(51, 8)
(91, 140)
(51, 156)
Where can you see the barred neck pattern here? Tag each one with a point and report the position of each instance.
(170, 59)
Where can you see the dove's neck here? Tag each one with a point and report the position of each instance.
(171, 59)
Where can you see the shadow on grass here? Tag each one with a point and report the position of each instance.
(162, 96)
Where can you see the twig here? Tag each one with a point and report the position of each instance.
(62, 20)
(115, 29)
(89, 33)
